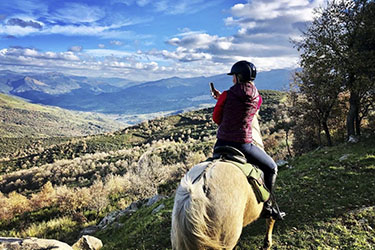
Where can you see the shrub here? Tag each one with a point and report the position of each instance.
(194, 158)
(63, 228)
(18, 203)
(5, 213)
(66, 200)
(115, 184)
(46, 197)
(98, 199)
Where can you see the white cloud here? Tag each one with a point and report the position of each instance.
(271, 16)
(263, 37)
(194, 40)
(17, 30)
(109, 32)
(75, 30)
(135, 66)
(69, 30)
(171, 7)
(116, 42)
(262, 32)
(277, 62)
(106, 53)
(15, 53)
(78, 13)
(184, 55)
(28, 52)
(76, 48)
(143, 2)
(26, 7)
(266, 10)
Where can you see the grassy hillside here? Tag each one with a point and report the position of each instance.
(329, 202)
(26, 128)
(54, 189)
(22, 149)
(20, 118)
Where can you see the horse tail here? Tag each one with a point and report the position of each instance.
(192, 227)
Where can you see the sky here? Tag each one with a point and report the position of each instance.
(145, 40)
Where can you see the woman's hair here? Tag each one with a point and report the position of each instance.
(240, 78)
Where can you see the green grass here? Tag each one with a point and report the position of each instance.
(45, 223)
(20, 118)
(141, 230)
(329, 205)
(319, 194)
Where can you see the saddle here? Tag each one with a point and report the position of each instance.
(253, 174)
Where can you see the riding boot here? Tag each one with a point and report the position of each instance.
(270, 207)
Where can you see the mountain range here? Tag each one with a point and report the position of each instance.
(124, 97)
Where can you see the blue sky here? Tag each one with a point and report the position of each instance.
(150, 39)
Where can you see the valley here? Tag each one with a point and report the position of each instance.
(129, 102)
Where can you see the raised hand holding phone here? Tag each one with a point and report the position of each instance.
(214, 92)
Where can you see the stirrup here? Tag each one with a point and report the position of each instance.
(279, 215)
(275, 212)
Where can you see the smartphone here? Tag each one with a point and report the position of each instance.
(212, 87)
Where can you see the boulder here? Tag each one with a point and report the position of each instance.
(88, 242)
(282, 163)
(353, 139)
(110, 218)
(89, 230)
(113, 216)
(10, 243)
(157, 210)
(344, 157)
(154, 199)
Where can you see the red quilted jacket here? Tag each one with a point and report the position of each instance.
(234, 112)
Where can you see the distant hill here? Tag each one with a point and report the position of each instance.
(32, 85)
(120, 96)
(20, 118)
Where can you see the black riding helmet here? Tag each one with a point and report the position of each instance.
(246, 69)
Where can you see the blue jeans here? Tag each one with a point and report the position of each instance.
(256, 156)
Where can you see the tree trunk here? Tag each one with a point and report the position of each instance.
(319, 136)
(328, 135)
(357, 123)
(353, 115)
(287, 142)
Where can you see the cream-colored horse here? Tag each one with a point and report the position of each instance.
(213, 202)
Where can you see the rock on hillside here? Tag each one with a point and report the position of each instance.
(86, 242)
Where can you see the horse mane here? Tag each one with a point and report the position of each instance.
(191, 223)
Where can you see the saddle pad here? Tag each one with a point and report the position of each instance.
(255, 178)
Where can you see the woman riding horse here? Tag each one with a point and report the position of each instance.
(214, 200)
(234, 112)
